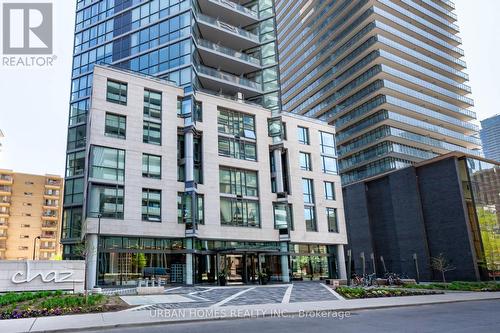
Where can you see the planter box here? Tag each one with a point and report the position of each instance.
(150, 290)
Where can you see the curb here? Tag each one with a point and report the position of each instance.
(219, 318)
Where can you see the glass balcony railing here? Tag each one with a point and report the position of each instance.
(227, 51)
(233, 79)
(237, 7)
(229, 28)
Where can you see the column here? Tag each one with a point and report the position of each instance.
(279, 170)
(188, 154)
(189, 262)
(285, 269)
(91, 260)
(341, 262)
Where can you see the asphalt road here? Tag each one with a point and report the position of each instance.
(477, 317)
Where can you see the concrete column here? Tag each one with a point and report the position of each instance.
(279, 170)
(341, 262)
(91, 260)
(189, 156)
(189, 262)
(285, 269)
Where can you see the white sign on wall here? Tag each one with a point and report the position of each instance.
(28, 275)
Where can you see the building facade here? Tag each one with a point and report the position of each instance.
(448, 205)
(490, 137)
(225, 47)
(388, 74)
(30, 216)
(192, 187)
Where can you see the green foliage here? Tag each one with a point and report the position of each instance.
(13, 298)
(458, 285)
(71, 301)
(359, 292)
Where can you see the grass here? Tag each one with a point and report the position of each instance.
(54, 303)
(458, 286)
(359, 292)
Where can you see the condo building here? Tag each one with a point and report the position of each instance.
(30, 216)
(389, 74)
(490, 137)
(191, 185)
(222, 47)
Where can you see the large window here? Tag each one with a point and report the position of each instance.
(305, 161)
(327, 141)
(283, 217)
(116, 126)
(310, 218)
(236, 123)
(236, 148)
(151, 166)
(72, 223)
(117, 92)
(329, 165)
(76, 137)
(331, 216)
(303, 135)
(107, 163)
(75, 164)
(73, 191)
(238, 182)
(308, 190)
(152, 104)
(106, 200)
(197, 158)
(185, 208)
(151, 205)
(329, 190)
(239, 212)
(151, 133)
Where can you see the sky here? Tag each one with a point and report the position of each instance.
(34, 103)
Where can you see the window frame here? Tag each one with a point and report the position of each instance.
(122, 98)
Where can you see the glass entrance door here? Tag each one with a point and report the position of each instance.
(235, 267)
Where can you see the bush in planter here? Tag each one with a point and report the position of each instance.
(222, 276)
(263, 278)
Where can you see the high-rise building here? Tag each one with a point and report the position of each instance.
(490, 136)
(30, 215)
(186, 187)
(225, 47)
(389, 74)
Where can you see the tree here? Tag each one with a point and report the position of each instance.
(441, 264)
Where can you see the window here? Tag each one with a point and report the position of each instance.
(116, 126)
(106, 200)
(72, 223)
(303, 135)
(151, 166)
(197, 158)
(116, 92)
(237, 148)
(238, 182)
(331, 215)
(310, 218)
(76, 137)
(24, 236)
(27, 204)
(329, 165)
(329, 190)
(107, 163)
(25, 226)
(282, 216)
(151, 205)
(152, 133)
(236, 123)
(239, 212)
(305, 161)
(308, 191)
(75, 164)
(29, 194)
(327, 141)
(186, 108)
(185, 208)
(73, 191)
(152, 104)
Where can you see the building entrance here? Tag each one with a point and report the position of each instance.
(242, 268)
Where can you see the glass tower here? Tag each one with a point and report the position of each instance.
(490, 136)
(224, 47)
(388, 74)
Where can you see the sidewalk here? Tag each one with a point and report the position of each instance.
(134, 318)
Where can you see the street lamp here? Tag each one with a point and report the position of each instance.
(34, 246)
(99, 215)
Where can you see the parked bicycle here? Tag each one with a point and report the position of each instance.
(393, 279)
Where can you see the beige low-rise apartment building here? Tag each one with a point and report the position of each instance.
(190, 185)
(30, 216)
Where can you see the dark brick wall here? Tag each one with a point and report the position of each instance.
(445, 219)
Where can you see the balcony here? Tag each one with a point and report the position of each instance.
(48, 236)
(3, 235)
(49, 217)
(5, 190)
(47, 248)
(218, 56)
(4, 225)
(51, 195)
(226, 34)
(229, 12)
(6, 179)
(47, 226)
(5, 201)
(53, 184)
(216, 80)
